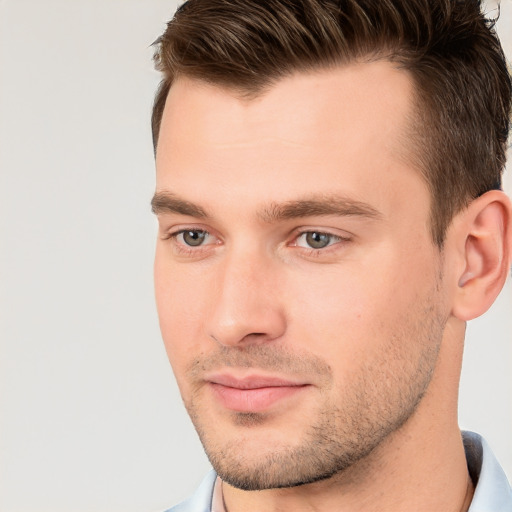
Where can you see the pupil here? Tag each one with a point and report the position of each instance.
(317, 240)
(194, 238)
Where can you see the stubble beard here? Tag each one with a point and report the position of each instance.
(342, 433)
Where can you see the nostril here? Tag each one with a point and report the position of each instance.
(248, 338)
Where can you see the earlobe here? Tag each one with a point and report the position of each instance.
(487, 238)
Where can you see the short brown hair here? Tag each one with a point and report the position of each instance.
(450, 49)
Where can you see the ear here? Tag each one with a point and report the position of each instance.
(484, 234)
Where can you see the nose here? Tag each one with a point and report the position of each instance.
(246, 306)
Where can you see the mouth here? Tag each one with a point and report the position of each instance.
(253, 393)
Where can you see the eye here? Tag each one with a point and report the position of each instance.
(192, 237)
(316, 240)
(191, 242)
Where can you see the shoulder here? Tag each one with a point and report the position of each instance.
(201, 500)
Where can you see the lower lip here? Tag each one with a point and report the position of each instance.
(253, 400)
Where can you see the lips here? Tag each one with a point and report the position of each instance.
(255, 393)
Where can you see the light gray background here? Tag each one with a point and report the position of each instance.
(90, 418)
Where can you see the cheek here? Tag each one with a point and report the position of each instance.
(347, 311)
(180, 312)
(334, 319)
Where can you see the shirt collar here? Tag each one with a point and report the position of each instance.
(492, 490)
(218, 499)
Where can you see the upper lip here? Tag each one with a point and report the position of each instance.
(253, 381)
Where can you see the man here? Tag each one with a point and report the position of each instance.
(330, 217)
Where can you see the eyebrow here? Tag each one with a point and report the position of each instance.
(311, 206)
(167, 202)
(323, 205)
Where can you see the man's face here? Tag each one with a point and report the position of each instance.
(298, 289)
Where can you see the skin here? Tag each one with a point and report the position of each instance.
(371, 326)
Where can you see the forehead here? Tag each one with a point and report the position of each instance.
(377, 90)
(343, 127)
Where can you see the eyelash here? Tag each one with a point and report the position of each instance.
(188, 250)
